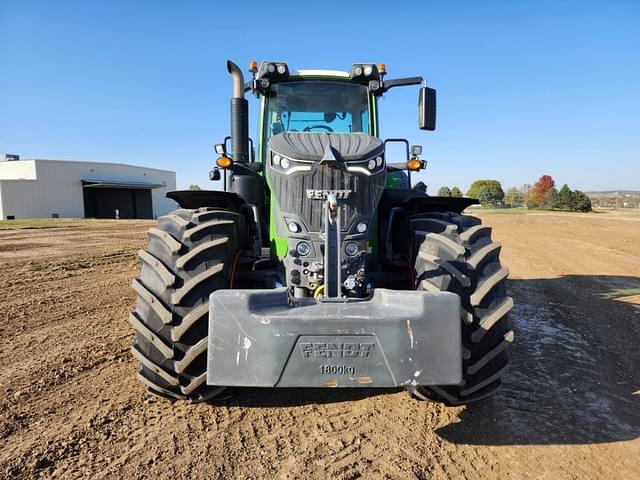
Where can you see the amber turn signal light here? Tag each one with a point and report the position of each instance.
(224, 162)
(414, 165)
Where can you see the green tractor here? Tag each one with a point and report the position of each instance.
(319, 264)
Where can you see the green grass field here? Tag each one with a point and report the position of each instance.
(42, 223)
(27, 223)
(500, 211)
(627, 213)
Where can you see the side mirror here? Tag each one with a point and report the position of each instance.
(427, 109)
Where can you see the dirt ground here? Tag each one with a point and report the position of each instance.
(71, 407)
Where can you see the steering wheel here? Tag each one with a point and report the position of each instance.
(323, 127)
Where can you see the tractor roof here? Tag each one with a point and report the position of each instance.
(321, 73)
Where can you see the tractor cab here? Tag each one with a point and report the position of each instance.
(326, 101)
(320, 101)
(317, 105)
(318, 119)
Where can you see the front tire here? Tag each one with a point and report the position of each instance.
(454, 252)
(190, 255)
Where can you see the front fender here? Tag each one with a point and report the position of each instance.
(207, 198)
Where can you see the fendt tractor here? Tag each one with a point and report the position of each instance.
(319, 264)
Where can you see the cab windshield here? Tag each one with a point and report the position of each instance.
(317, 106)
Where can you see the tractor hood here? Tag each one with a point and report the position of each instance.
(312, 146)
(327, 187)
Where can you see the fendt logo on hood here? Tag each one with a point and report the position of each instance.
(322, 194)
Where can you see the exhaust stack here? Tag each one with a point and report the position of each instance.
(239, 116)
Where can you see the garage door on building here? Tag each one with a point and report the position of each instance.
(111, 199)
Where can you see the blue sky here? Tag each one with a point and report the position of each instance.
(524, 88)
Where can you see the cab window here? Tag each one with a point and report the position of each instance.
(317, 106)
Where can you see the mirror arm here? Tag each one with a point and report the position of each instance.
(400, 82)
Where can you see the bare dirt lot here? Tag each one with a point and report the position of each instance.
(71, 407)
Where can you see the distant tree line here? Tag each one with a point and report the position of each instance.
(543, 195)
(449, 192)
(488, 192)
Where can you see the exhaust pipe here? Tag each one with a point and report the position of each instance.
(239, 116)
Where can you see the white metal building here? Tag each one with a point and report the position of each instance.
(59, 188)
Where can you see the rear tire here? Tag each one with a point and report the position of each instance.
(454, 252)
(190, 255)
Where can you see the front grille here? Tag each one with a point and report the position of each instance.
(291, 192)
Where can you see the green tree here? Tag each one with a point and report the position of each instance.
(551, 198)
(444, 192)
(474, 190)
(490, 196)
(194, 187)
(582, 202)
(513, 197)
(566, 198)
(456, 192)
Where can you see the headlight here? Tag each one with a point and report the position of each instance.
(371, 166)
(351, 249)
(288, 166)
(303, 249)
(361, 227)
(294, 227)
